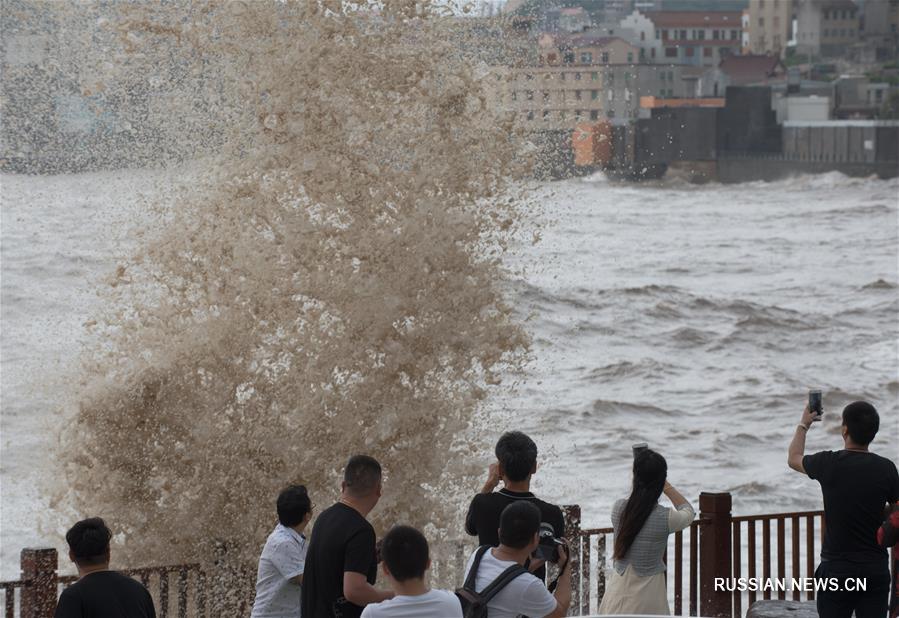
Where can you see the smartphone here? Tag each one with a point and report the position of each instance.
(640, 446)
(815, 402)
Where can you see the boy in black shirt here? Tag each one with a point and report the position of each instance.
(99, 592)
(341, 563)
(856, 485)
(516, 456)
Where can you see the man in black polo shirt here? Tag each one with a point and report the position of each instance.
(99, 592)
(516, 462)
(857, 485)
(341, 563)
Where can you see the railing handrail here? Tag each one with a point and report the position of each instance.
(776, 516)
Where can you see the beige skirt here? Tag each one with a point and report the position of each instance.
(632, 594)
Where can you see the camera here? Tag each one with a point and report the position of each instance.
(815, 402)
(548, 549)
(639, 447)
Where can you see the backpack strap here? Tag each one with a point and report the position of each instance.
(473, 572)
(494, 587)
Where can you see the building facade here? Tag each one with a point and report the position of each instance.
(826, 28)
(770, 26)
(699, 38)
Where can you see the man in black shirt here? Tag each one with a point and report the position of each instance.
(516, 456)
(341, 563)
(857, 485)
(99, 592)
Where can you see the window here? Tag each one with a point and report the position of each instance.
(701, 35)
(594, 76)
(546, 96)
(630, 56)
(563, 115)
(569, 57)
(714, 35)
(642, 35)
(577, 77)
(734, 35)
(690, 52)
(706, 52)
(551, 58)
(529, 95)
(577, 95)
(683, 35)
(761, 22)
(594, 114)
(605, 57)
(610, 113)
(611, 95)
(652, 52)
(562, 76)
(545, 116)
(670, 92)
(530, 115)
(514, 96)
(665, 34)
(658, 34)
(586, 57)
(671, 52)
(724, 52)
(578, 114)
(594, 94)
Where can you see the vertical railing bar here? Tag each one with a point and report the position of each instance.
(750, 543)
(601, 566)
(584, 596)
(737, 559)
(781, 555)
(766, 556)
(182, 593)
(795, 574)
(9, 594)
(678, 571)
(810, 553)
(163, 594)
(201, 594)
(694, 553)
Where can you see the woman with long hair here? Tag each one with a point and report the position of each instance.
(642, 525)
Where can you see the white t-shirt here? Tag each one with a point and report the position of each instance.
(283, 558)
(523, 595)
(436, 603)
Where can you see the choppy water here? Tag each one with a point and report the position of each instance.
(693, 318)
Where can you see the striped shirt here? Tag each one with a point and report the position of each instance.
(645, 553)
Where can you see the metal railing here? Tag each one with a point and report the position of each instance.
(716, 545)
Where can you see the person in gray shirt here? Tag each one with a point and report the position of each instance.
(642, 525)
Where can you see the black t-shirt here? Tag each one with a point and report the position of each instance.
(105, 594)
(856, 487)
(482, 519)
(342, 540)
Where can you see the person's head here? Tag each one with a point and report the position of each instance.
(362, 478)
(89, 543)
(519, 525)
(294, 506)
(650, 472)
(517, 456)
(860, 422)
(404, 552)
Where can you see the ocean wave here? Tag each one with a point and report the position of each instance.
(606, 406)
(646, 367)
(880, 284)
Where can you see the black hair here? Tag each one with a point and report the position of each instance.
(89, 542)
(293, 504)
(405, 552)
(862, 422)
(517, 454)
(518, 523)
(362, 475)
(650, 472)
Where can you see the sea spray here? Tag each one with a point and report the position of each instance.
(330, 285)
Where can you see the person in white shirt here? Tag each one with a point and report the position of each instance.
(404, 560)
(283, 558)
(519, 526)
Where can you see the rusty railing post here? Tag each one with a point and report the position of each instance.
(714, 553)
(572, 513)
(39, 572)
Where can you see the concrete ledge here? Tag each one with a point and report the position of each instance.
(782, 609)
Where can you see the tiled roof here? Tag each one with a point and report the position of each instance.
(750, 68)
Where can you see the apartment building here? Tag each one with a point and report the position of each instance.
(770, 26)
(699, 38)
(826, 28)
